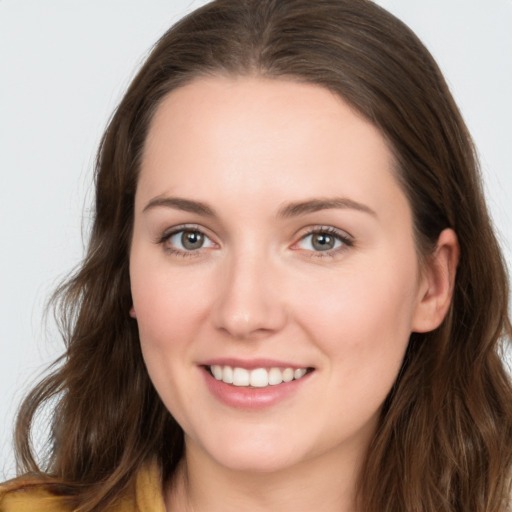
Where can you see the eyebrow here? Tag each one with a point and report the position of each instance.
(179, 203)
(315, 205)
(294, 209)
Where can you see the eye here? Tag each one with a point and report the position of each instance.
(326, 240)
(186, 240)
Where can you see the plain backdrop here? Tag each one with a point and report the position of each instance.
(64, 65)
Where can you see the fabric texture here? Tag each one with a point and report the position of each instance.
(28, 495)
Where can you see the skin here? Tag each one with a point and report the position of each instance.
(258, 288)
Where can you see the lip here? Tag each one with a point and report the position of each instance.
(251, 399)
(251, 364)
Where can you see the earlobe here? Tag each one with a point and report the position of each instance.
(437, 285)
(132, 312)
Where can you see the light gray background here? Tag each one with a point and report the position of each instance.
(63, 67)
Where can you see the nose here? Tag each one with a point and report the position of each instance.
(250, 302)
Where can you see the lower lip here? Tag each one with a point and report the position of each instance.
(251, 398)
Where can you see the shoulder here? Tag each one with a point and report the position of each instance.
(21, 495)
(25, 494)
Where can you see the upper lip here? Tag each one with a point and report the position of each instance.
(250, 364)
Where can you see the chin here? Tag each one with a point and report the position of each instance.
(256, 454)
(245, 463)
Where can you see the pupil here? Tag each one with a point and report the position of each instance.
(323, 242)
(192, 240)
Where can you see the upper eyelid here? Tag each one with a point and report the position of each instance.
(166, 233)
(324, 229)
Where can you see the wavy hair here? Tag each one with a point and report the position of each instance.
(444, 440)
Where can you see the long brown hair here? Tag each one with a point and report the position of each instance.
(444, 442)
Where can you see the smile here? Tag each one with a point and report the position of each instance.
(257, 377)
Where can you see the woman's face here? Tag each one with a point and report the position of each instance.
(271, 241)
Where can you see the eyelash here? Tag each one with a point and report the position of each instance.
(345, 240)
(167, 235)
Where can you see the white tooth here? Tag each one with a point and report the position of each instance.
(217, 371)
(259, 378)
(288, 375)
(227, 375)
(299, 372)
(240, 377)
(275, 376)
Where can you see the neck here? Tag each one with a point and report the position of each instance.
(200, 484)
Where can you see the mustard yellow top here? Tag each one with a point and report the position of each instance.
(32, 498)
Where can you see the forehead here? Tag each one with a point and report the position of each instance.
(258, 137)
(277, 114)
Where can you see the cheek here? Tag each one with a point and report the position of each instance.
(362, 325)
(362, 313)
(165, 301)
(168, 311)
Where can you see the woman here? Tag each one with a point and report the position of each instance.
(292, 296)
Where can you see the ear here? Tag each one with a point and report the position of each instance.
(437, 282)
(132, 312)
